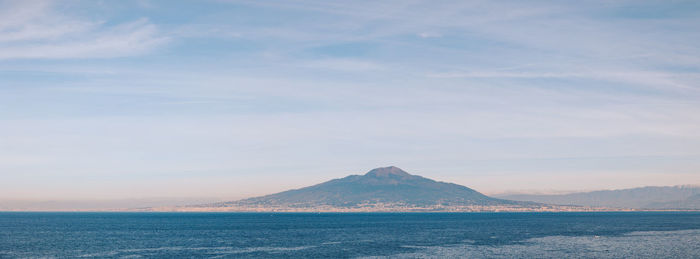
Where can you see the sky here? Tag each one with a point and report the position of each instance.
(232, 99)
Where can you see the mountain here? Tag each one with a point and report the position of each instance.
(381, 189)
(381, 185)
(691, 203)
(651, 197)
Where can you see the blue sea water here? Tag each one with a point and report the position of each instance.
(350, 235)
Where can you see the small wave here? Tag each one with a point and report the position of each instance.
(136, 252)
(646, 244)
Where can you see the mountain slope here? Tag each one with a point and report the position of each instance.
(692, 203)
(640, 198)
(382, 185)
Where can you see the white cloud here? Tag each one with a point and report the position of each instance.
(653, 79)
(344, 65)
(551, 35)
(33, 29)
(429, 35)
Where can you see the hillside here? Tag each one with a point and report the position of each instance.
(651, 197)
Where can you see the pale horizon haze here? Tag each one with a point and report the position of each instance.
(216, 100)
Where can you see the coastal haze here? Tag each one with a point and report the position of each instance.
(391, 189)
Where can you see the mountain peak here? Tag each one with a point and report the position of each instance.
(387, 171)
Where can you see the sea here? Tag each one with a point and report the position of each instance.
(349, 235)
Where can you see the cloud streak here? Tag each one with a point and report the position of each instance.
(34, 30)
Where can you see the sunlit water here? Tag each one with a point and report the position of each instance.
(398, 235)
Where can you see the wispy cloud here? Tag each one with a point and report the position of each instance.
(429, 35)
(344, 65)
(588, 40)
(661, 80)
(33, 29)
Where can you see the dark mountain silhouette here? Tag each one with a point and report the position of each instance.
(387, 185)
(651, 197)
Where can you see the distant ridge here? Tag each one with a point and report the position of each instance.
(381, 189)
(650, 197)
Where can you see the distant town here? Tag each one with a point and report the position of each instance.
(384, 207)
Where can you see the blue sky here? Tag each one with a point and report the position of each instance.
(229, 99)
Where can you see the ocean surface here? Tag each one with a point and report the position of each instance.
(350, 235)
